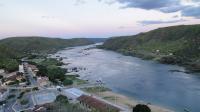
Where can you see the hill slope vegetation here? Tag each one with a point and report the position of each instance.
(171, 45)
(14, 48)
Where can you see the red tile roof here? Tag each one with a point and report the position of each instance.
(97, 104)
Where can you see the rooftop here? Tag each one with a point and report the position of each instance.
(97, 104)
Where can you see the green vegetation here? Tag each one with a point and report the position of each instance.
(53, 72)
(37, 60)
(67, 82)
(10, 65)
(62, 99)
(21, 95)
(50, 68)
(172, 45)
(109, 98)
(141, 108)
(24, 101)
(65, 107)
(76, 80)
(13, 49)
(96, 89)
(51, 61)
(16, 82)
(1, 77)
(11, 96)
(40, 44)
(61, 104)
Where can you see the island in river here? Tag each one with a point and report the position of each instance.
(142, 80)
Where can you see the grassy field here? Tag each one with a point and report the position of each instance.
(96, 89)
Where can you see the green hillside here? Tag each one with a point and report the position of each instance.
(12, 49)
(172, 45)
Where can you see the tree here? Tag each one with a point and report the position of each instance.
(24, 102)
(62, 99)
(1, 77)
(141, 108)
(56, 73)
(67, 82)
(42, 70)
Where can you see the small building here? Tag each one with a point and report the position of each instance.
(12, 77)
(171, 54)
(21, 69)
(34, 69)
(43, 81)
(1, 71)
(93, 104)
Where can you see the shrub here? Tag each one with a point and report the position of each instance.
(24, 102)
(62, 99)
(67, 82)
(141, 108)
(11, 96)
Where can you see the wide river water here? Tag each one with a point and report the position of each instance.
(140, 79)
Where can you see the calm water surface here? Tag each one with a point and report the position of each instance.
(139, 79)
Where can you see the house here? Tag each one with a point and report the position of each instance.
(21, 69)
(1, 71)
(12, 77)
(43, 81)
(93, 104)
(33, 68)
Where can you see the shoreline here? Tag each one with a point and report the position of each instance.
(189, 67)
(127, 102)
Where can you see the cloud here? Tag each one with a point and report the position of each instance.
(191, 12)
(162, 5)
(165, 6)
(48, 17)
(1, 5)
(125, 27)
(150, 22)
(110, 2)
(173, 8)
(176, 16)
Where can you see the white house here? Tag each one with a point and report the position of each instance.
(1, 71)
(21, 69)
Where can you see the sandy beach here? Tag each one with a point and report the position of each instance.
(125, 101)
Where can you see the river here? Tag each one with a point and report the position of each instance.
(140, 79)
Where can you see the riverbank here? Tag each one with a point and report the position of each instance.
(143, 80)
(123, 100)
(190, 66)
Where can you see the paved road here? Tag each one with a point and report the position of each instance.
(29, 74)
(31, 77)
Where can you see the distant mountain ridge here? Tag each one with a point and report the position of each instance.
(37, 44)
(172, 45)
(97, 40)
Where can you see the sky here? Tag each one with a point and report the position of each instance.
(93, 18)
